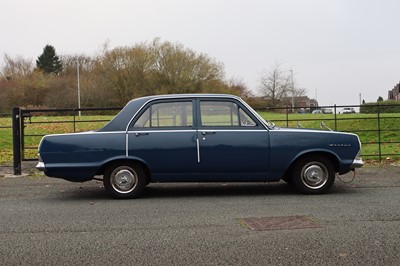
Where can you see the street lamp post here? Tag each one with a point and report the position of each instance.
(291, 77)
(79, 86)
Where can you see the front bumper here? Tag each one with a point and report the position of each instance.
(357, 163)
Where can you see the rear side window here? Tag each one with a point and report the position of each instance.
(169, 114)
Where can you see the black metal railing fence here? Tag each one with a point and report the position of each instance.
(379, 134)
(30, 125)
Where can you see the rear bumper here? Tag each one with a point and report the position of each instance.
(41, 167)
(357, 163)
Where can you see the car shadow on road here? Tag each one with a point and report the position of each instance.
(216, 190)
(194, 190)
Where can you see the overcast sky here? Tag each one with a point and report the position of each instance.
(338, 49)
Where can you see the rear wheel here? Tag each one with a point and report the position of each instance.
(313, 175)
(124, 180)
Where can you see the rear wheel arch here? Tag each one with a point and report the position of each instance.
(125, 161)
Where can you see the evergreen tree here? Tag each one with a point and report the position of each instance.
(48, 61)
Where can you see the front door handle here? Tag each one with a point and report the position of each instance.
(207, 133)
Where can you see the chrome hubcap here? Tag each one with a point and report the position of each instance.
(124, 180)
(315, 175)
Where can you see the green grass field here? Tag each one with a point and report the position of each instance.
(365, 125)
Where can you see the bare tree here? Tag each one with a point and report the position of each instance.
(70, 62)
(294, 93)
(16, 67)
(279, 87)
(274, 84)
(299, 92)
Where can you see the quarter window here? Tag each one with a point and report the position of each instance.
(245, 119)
(171, 114)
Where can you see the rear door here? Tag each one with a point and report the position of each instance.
(164, 138)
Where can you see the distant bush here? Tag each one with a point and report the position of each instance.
(383, 107)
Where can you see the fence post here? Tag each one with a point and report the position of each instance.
(22, 133)
(74, 121)
(379, 133)
(335, 112)
(287, 116)
(16, 124)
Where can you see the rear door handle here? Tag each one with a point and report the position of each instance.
(207, 133)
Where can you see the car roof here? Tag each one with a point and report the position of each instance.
(119, 122)
(187, 95)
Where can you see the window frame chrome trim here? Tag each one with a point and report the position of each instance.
(193, 98)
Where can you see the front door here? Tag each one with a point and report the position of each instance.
(232, 144)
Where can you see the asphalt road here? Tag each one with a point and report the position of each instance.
(46, 221)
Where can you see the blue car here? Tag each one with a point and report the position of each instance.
(197, 138)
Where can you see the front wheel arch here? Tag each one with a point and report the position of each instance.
(321, 163)
(335, 161)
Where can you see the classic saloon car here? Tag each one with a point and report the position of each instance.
(197, 138)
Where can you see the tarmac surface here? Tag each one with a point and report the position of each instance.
(45, 221)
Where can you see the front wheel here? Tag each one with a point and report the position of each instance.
(313, 175)
(124, 180)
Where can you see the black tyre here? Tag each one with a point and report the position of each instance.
(124, 181)
(313, 175)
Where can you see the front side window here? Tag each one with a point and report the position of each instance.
(169, 114)
(224, 114)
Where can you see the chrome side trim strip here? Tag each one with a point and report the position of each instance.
(303, 130)
(198, 150)
(161, 131)
(126, 145)
(200, 129)
(232, 130)
(87, 133)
